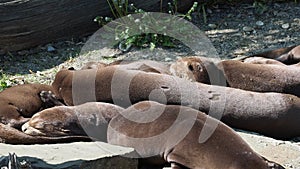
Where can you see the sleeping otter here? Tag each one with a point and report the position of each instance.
(247, 76)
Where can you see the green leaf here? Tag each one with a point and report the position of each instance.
(152, 45)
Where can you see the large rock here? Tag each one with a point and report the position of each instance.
(90, 155)
(85, 155)
(286, 153)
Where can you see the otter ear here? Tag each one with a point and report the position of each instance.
(71, 68)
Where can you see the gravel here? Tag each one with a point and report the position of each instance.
(234, 30)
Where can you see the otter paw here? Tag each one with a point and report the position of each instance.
(49, 99)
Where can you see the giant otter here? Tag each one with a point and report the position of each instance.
(174, 134)
(273, 114)
(247, 76)
(19, 103)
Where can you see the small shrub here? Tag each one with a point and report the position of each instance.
(120, 8)
(4, 82)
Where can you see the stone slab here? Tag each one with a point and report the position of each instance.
(71, 155)
(286, 153)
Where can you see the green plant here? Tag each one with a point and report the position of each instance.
(126, 36)
(260, 6)
(3, 82)
(204, 13)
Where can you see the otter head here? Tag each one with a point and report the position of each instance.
(56, 121)
(191, 68)
(62, 85)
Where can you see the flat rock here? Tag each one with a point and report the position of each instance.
(89, 155)
(285, 153)
(71, 155)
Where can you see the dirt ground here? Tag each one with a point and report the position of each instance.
(234, 30)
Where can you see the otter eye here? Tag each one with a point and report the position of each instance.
(191, 68)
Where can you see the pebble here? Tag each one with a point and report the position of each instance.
(50, 48)
(278, 143)
(39, 73)
(23, 52)
(209, 11)
(285, 26)
(168, 59)
(282, 14)
(259, 23)
(247, 29)
(212, 26)
(2, 52)
(229, 15)
(289, 165)
(239, 52)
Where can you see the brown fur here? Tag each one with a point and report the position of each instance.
(224, 149)
(247, 76)
(261, 60)
(99, 65)
(143, 65)
(188, 152)
(273, 114)
(87, 119)
(280, 54)
(292, 57)
(146, 66)
(11, 135)
(275, 53)
(190, 72)
(191, 68)
(19, 103)
(93, 65)
(262, 78)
